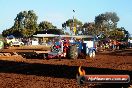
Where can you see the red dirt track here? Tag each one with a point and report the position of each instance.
(39, 73)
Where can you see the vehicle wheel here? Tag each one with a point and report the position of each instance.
(91, 53)
(87, 51)
(21, 44)
(11, 44)
(73, 52)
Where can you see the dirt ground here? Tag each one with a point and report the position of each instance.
(38, 73)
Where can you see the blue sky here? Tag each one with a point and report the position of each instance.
(58, 11)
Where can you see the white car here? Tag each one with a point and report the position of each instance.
(17, 43)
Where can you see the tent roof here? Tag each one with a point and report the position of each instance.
(53, 35)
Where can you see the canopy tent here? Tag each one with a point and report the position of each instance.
(45, 35)
(70, 36)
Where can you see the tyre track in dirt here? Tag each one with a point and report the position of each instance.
(34, 73)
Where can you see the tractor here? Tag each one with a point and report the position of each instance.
(73, 47)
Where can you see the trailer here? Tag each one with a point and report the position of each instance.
(25, 51)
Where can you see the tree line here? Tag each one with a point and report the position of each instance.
(104, 26)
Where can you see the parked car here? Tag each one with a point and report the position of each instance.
(17, 43)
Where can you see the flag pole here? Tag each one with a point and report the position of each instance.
(73, 21)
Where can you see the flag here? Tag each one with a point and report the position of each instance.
(73, 10)
(74, 30)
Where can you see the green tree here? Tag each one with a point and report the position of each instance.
(25, 24)
(119, 34)
(89, 28)
(5, 33)
(106, 22)
(126, 33)
(73, 25)
(44, 25)
(116, 34)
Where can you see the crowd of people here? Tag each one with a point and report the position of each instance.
(113, 45)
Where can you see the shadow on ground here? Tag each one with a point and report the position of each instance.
(58, 71)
